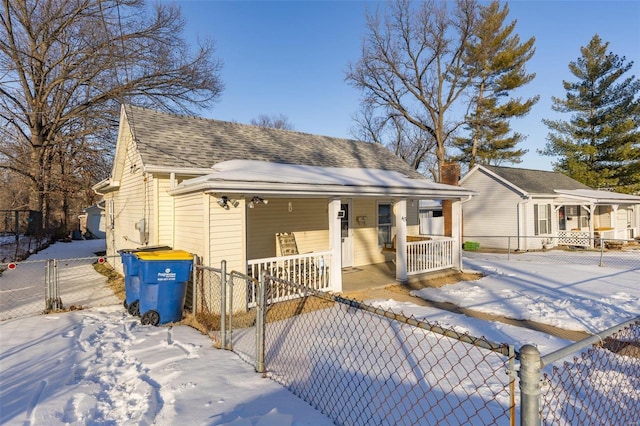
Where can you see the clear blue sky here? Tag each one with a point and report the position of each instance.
(290, 57)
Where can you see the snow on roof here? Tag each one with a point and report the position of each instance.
(314, 178)
(599, 196)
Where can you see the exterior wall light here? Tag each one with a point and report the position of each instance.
(257, 200)
(225, 202)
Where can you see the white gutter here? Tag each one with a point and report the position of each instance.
(182, 171)
(308, 190)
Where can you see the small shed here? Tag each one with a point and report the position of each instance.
(92, 222)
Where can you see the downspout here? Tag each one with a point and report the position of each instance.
(172, 185)
(521, 220)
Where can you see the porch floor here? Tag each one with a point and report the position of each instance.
(379, 275)
(368, 277)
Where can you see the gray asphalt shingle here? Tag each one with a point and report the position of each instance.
(178, 141)
(536, 181)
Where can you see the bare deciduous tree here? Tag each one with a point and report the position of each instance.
(279, 121)
(413, 64)
(65, 68)
(413, 145)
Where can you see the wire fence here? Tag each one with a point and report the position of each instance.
(40, 286)
(595, 381)
(362, 365)
(612, 253)
(355, 363)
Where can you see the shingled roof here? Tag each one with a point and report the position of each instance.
(536, 181)
(182, 142)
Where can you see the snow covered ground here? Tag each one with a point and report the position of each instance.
(22, 291)
(100, 366)
(571, 295)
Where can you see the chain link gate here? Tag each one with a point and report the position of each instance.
(52, 296)
(34, 287)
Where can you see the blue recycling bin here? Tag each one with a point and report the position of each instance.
(132, 277)
(163, 284)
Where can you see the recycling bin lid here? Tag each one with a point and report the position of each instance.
(147, 248)
(164, 255)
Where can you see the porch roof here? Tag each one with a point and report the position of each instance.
(269, 178)
(595, 196)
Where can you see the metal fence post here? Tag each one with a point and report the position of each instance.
(52, 296)
(223, 303)
(197, 275)
(529, 386)
(261, 309)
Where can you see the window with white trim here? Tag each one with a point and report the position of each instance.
(542, 218)
(385, 220)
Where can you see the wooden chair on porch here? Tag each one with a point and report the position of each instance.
(286, 244)
(296, 270)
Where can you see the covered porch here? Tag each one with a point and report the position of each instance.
(585, 217)
(341, 219)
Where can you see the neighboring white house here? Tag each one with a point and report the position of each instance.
(542, 208)
(431, 217)
(92, 222)
(223, 191)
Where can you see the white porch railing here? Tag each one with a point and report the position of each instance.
(574, 238)
(428, 256)
(308, 270)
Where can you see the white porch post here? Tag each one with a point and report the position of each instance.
(614, 220)
(592, 231)
(335, 245)
(400, 211)
(456, 232)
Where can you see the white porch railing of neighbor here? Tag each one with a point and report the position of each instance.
(431, 255)
(574, 238)
(309, 270)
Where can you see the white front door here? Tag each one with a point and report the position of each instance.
(346, 234)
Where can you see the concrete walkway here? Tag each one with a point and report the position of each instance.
(377, 282)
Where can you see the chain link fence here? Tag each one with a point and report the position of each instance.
(362, 365)
(595, 381)
(357, 364)
(612, 253)
(41, 286)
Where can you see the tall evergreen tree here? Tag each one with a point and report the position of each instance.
(600, 144)
(496, 64)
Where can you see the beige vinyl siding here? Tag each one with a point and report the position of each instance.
(493, 212)
(603, 217)
(308, 220)
(165, 218)
(188, 231)
(365, 238)
(131, 203)
(413, 219)
(227, 236)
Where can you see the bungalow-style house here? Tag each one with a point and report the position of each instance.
(541, 209)
(300, 205)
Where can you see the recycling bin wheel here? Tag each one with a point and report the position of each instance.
(150, 318)
(125, 305)
(134, 308)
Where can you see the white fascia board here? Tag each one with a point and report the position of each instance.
(307, 190)
(599, 197)
(184, 171)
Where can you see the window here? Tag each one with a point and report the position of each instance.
(542, 217)
(384, 223)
